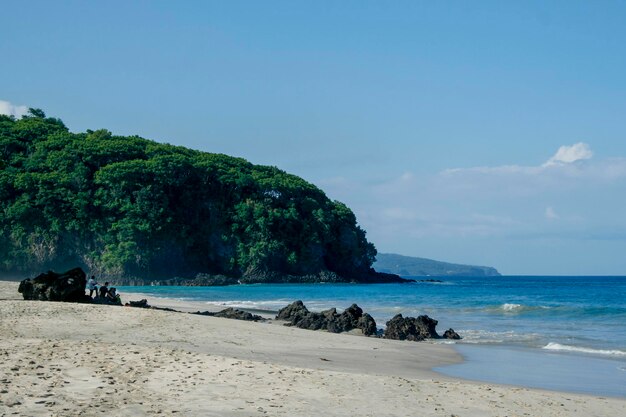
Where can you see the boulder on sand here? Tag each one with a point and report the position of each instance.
(411, 328)
(293, 311)
(51, 286)
(232, 313)
(415, 329)
(143, 303)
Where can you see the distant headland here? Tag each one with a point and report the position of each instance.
(421, 267)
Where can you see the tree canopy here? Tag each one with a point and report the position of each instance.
(131, 207)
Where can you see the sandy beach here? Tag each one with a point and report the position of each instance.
(61, 359)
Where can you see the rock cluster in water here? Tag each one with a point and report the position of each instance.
(451, 334)
(414, 329)
(352, 318)
(398, 328)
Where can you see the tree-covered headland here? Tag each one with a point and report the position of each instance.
(131, 208)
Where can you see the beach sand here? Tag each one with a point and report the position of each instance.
(61, 359)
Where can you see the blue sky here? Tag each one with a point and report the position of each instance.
(477, 132)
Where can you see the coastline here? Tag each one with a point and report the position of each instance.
(500, 363)
(92, 359)
(531, 367)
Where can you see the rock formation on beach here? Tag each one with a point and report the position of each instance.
(415, 329)
(351, 318)
(232, 313)
(143, 303)
(51, 286)
(398, 328)
(411, 328)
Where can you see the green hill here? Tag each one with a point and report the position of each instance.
(131, 208)
(412, 266)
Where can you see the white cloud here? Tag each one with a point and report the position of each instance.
(566, 162)
(570, 154)
(10, 109)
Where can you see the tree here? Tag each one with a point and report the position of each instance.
(128, 206)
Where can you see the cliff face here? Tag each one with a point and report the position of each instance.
(412, 266)
(139, 210)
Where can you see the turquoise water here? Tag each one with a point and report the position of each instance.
(558, 318)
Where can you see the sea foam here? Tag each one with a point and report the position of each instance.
(511, 307)
(514, 308)
(485, 336)
(560, 347)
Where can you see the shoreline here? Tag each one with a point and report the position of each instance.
(92, 359)
(519, 366)
(188, 306)
(439, 354)
(480, 363)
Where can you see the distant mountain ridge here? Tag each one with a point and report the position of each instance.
(412, 266)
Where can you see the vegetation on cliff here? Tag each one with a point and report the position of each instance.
(131, 207)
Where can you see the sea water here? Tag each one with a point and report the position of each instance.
(566, 333)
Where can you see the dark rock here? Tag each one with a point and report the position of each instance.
(51, 286)
(345, 321)
(140, 304)
(292, 311)
(411, 328)
(367, 324)
(107, 301)
(312, 321)
(165, 309)
(451, 334)
(232, 313)
(354, 312)
(330, 313)
(351, 318)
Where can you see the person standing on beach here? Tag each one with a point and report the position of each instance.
(91, 285)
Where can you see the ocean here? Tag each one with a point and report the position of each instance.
(565, 333)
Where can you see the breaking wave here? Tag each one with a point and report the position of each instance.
(560, 347)
(512, 308)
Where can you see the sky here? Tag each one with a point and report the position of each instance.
(486, 132)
